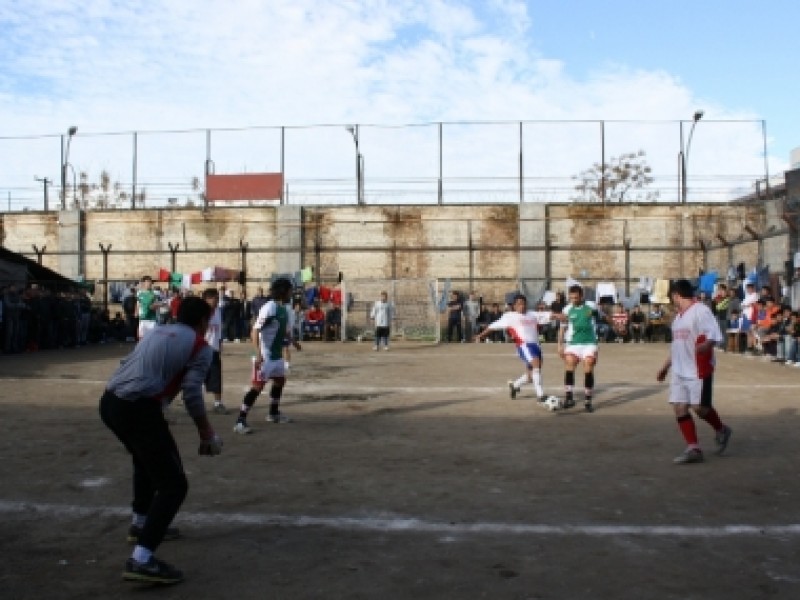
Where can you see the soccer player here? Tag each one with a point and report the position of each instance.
(169, 359)
(577, 342)
(695, 332)
(523, 327)
(214, 340)
(268, 334)
(146, 307)
(382, 314)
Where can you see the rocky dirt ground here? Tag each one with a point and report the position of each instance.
(412, 474)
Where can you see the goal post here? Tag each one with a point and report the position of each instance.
(415, 301)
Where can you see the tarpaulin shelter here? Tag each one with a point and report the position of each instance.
(19, 270)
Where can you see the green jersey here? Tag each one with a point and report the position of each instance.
(581, 328)
(271, 324)
(146, 298)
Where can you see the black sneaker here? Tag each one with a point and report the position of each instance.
(512, 390)
(588, 407)
(569, 402)
(722, 438)
(153, 571)
(172, 534)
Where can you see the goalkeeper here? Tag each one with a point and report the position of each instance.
(170, 359)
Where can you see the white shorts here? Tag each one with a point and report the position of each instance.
(581, 351)
(145, 327)
(271, 369)
(685, 391)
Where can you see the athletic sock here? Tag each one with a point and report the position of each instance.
(569, 381)
(686, 425)
(536, 375)
(247, 403)
(141, 554)
(521, 381)
(712, 418)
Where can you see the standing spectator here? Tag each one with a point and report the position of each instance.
(256, 303)
(695, 332)
(147, 306)
(720, 304)
(174, 305)
(85, 312)
(472, 309)
(333, 324)
(213, 338)
(638, 322)
(117, 328)
(231, 314)
(172, 358)
(493, 315)
(382, 314)
(12, 318)
(129, 310)
(454, 315)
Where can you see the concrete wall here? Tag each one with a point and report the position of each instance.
(490, 248)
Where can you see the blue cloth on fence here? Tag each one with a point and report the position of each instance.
(707, 282)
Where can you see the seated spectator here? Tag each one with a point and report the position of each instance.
(785, 339)
(603, 328)
(619, 323)
(637, 324)
(657, 325)
(736, 332)
(333, 323)
(314, 323)
(767, 327)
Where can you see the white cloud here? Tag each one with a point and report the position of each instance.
(111, 66)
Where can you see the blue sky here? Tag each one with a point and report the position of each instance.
(115, 67)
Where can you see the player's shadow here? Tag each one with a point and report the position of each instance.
(637, 392)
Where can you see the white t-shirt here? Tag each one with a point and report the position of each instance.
(523, 328)
(382, 313)
(214, 331)
(691, 327)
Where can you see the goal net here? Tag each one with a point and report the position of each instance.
(415, 308)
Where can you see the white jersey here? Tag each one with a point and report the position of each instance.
(523, 328)
(214, 331)
(749, 306)
(382, 313)
(691, 327)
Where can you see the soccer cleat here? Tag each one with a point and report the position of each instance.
(242, 428)
(722, 437)
(220, 409)
(512, 390)
(278, 418)
(588, 407)
(152, 571)
(171, 534)
(569, 402)
(541, 399)
(690, 455)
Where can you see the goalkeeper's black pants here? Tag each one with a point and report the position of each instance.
(159, 483)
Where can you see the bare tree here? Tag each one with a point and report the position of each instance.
(621, 179)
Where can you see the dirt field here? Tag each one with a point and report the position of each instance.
(412, 474)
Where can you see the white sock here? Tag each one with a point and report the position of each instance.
(521, 381)
(141, 554)
(138, 520)
(537, 381)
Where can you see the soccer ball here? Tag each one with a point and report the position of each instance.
(552, 403)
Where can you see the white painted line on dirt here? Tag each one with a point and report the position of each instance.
(410, 524)
(328, 388)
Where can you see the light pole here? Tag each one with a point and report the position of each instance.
(685, 155)
(353, 129)
(74, 185)
(45, 181)
(64, 162)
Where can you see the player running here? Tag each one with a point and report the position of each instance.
(268, 334)
(695, 331)
(523, 327)
(577, 342)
